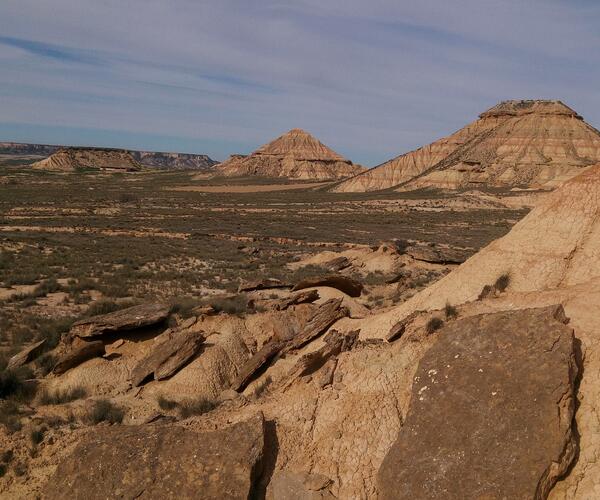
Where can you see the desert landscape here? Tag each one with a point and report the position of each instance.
(306, 335)
(299, 250)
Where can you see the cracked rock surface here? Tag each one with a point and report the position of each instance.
(491, 411)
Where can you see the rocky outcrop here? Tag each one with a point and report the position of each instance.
(515, 143)
(78, 352)
(437, 255)
(26, 355)
(264, 284)
(553, 247)
(294, 155)
(174, 161)
(124, 320)
(160, 461)
(258, 360)
(150, 159)
(73, 159)
(491, 412)
(171, 350)
(551, 257)
(327, 314)
(349, 286)
(301, 297)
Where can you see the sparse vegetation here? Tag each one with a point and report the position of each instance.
(262, 386)
(59, 397)
(10, 415)
(184, 306)
(237, 304)
(36, 436)
(104, 410)
(13, 384)
(502, 282)
(197, 406)
(45, 363)
(450, 311)
(433, 325)
(166, 404)
(105, 306)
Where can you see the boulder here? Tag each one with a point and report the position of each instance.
(250, 286)
(159, 461)
(491, 411)
(437, 255)
(171, 350)
(124, 320)
(347, 285)
(26, 355)
(78, 352)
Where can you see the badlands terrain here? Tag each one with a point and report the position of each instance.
(426, 329)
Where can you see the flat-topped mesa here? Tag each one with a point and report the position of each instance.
(524, 107)
(295, 155)
(72, 159)
(526, 143)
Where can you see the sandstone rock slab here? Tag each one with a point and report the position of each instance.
(161, 462)
(26, 355)
(347, 285)
(170, 352)
(127, 319)
(325, 316)
(264, 284)
(78, 352)
(491, 411)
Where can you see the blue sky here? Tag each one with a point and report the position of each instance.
(370, 79)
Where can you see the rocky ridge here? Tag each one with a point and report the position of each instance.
(73, 159)
(150, 159)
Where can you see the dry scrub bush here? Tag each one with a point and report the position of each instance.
(433, 325)
(59, 397)
(104, 410)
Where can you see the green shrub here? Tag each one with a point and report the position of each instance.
(105, 411)
(433, 325)
(60, 397)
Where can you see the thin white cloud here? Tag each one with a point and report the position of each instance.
(371, 79)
